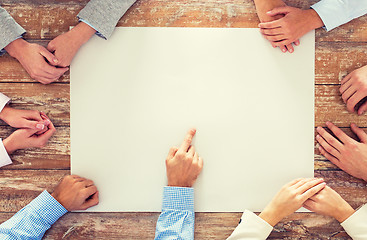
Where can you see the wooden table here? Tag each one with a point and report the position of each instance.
(337, 53)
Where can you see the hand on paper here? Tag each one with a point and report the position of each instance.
(76, 193)
(354, 89)
(67, 45)
(330, 203)
(183, 164)
(346, 153)
(264, 6)
(33, 59)
(290, 28)
(290, 198)
(17, 118)
(29, 138)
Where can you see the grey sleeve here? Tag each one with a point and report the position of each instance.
(10, 30)
(103, 15)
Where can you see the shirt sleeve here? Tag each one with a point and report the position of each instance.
(4, 156)
(251, 227)
(103, 15)
(3, 101)
(177, 219)
(337, 12)
(33, 220)
(10, 30)
(356, 225)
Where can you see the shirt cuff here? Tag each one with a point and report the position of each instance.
(47, 207)
(178, 198)
(331, 14)
(90, 25)
(251, 227)
(3, 101)
(356, 225)
(4, 156)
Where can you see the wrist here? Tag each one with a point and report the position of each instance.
(343, 213)
(314, 20)
(270, 217)
(4, 112)
(9, 146)
(83, 32)
(15, 48)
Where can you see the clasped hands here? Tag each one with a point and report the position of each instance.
(48, 65)
(34, 129)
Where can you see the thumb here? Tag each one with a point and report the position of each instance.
(49, 56)
(51, 46)
(279, 10)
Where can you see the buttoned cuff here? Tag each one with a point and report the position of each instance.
(251, 227)
(47, 207)
(356, 225)
(4, 156)
(178, 198)
(3, 101)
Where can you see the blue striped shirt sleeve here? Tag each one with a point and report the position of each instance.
(33, 220)
(177, 219)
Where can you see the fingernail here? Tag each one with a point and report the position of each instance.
(55, 60)
(268, 12)
(40, 126)
(328, 123)
(47, 122)
(318, 137)
(284, 50)
(318, 129)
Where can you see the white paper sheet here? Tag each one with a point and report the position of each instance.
(135, 95)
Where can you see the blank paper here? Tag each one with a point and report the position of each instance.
(136, 95)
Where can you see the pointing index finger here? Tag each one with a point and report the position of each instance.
(188, 140)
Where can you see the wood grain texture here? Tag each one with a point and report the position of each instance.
(52, 18)
(337, 53)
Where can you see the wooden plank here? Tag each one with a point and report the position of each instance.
(56, 155)
(19, 187)
(47, 20)
(52, 99)
(333, 62)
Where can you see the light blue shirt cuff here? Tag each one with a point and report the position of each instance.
(338, 12)
(90, 25)
(178, 198)
(3, 51)
(47, 207)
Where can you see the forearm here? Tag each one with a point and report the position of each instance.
(263, 6)
(9, 29)
(33, 220)
(104, 15)
(178, 217)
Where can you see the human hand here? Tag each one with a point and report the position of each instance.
(67, 45)
(348, 154)
(291, 27)
(24, 118)
(28, 138)
(32, 57)
(330, 203)
(354, 89)
(290, 198)
(183, 164)
(76, 193)
(264, 6)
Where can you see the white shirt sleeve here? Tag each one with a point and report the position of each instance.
(337, 12)
(4, 156)
(356, 225)
(3, 101)
(251, 227)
